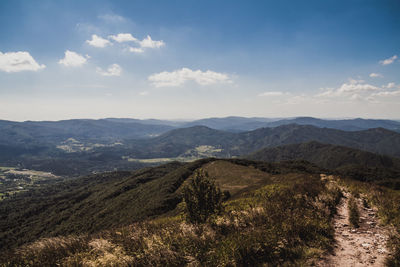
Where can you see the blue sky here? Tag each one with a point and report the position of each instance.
(194, 59)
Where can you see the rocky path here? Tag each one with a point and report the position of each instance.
(363, 246)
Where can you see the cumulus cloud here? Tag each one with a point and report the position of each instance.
(123, 37)
(386, 94)
(272, 93)
(375, 75)
(352, 89)
(179, 77)
(149, 43)
(97, 41)
(388, 61)
(356, 86)
(389, 85)
(141, 45)
(18, 61)
(112, 70)
(73, 59)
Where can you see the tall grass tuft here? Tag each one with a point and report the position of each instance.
(354, 214)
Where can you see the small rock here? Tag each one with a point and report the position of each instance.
(381, 250)
(366, 245)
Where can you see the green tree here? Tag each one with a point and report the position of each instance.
(202, 198)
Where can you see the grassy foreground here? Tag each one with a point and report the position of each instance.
(287, 221)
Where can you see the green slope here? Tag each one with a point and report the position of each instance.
(92, 203)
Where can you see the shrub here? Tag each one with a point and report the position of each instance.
(354, 215)
(394, 246)
(202, 198)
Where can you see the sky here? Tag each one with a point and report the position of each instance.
(193, 59)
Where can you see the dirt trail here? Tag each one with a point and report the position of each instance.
(363, 246)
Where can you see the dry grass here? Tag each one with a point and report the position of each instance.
(278, 224)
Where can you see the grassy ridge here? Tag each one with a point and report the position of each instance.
(91, 203)
(343, 161)
(96, 202)
(286, 222)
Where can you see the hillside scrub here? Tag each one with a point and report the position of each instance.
(287, 222)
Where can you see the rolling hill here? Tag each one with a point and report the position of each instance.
(241, 124)
(346, 125)
(50, 132)
(326, 156)
(92, 203)
(178, 141)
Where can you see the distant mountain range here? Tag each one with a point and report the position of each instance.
(104, 130)
(115, 129)
(75, 147)
(176, 142)
(238, 124)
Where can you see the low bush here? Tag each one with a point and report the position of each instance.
(354, 214)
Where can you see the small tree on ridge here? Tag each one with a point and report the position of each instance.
(202, 198)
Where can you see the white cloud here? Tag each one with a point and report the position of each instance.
(355, 86)
(375, 75)
(389, 86)
(18, 61)
(179, 77)
(123, 37)
(149, 43)
(144, 93)
(351, 89)
(73, 59)
(142, 45)
(388, 60)
(272, 93)
(136, 50)
(97, 41)
(386, 93)
(112, 70)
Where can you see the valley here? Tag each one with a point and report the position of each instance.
(14, 180)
